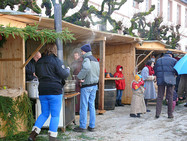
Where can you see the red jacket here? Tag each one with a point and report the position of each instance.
(136, 85)
(120, 84)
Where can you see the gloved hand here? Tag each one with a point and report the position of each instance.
(80, 82)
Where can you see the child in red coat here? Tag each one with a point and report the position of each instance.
(120, 85)
(137, 102)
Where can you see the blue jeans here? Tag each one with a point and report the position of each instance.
(119, 94)
(50, 104)
(87, 100)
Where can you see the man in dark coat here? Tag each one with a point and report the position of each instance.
(30, 67)
(165, 65)
(182, 88)
(76, 67)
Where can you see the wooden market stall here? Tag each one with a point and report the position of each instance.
(112, 50)
(148, 49)
(12, 81)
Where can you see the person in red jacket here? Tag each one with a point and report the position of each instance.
(120, 84)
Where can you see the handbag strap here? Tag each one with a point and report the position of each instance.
(162, 67)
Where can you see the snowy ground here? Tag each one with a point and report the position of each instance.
(116, 125)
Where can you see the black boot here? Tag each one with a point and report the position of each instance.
(133, 115)
(51, 138)
(32, 136)
(119, 103)
(116, 104)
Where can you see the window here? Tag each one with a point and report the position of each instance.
(169, 10)
(185, 17)
(178, 14)
(148, 5)
(135, 4)
(159, 7)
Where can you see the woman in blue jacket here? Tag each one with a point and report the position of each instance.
(51, 73)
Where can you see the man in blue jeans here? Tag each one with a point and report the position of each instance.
(89, 77)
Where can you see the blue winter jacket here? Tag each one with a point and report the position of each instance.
(164, 64)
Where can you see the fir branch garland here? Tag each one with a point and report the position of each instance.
(32, 32)
(12, 110)
(25, 111)
(2, 40)
(8, 115)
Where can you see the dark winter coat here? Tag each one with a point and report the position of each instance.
(120, 84)
(51, 72)
(30, 69)
(76, 67)
(182, 88)
(175, 95)
(164, 64)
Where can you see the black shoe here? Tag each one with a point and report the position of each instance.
(119, 103)
(171, 116)
(76, 113)
(132, 115)
(185, 105)
(157, 117)
(116, 104)
(90, 129)
(148, 110)
(138, 115)
(78, 129)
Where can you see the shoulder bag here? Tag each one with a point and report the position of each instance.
(168, 78)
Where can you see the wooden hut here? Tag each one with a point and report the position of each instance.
(148, 49)
(12, 57)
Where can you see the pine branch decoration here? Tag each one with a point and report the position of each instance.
(32, 32)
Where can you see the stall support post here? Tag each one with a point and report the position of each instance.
(58, 28)
(102, 76)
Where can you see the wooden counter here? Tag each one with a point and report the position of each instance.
(69, 95)
(113, 78)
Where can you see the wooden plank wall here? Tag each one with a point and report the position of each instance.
(12, 58)
(123, 55)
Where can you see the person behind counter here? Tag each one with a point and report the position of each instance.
(89, 77)
(30, 67)
(30, 75)
(76, 66)
(51, 73)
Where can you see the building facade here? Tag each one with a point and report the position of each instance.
(173, 12)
